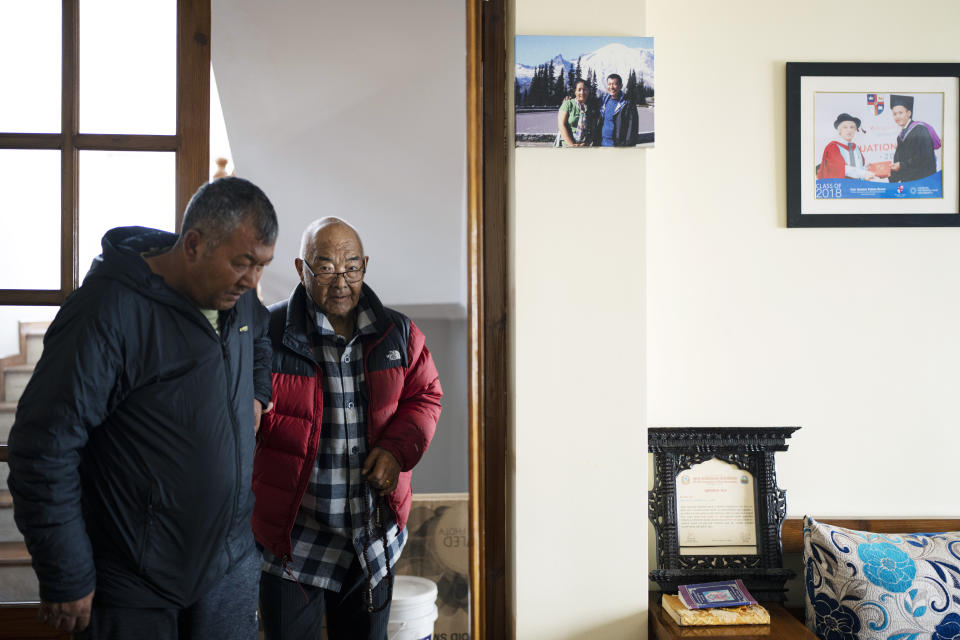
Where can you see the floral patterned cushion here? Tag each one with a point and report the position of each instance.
(862, 585)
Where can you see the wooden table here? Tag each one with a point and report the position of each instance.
(783, 626)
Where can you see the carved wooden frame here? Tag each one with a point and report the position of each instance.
(749, 448)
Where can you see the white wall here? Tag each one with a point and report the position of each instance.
(850, 333)
(354, 109)
(578, 355)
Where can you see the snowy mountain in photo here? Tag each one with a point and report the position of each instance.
(612, 58)
(525, 73)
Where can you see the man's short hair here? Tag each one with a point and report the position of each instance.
(220, 206)
(615, 76)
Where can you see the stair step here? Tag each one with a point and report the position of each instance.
(14, 554)
(8, 410)
(4, 468)
(34, 342)
(15, 379)
(18, 583)
(8, 528)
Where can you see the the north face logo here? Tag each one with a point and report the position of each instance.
(393, 355)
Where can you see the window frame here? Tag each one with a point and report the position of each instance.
(190, 143)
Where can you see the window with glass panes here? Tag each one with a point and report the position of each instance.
(104, 122)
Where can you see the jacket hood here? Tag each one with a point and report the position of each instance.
(122, 260)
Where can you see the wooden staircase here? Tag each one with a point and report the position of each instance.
(19, 591)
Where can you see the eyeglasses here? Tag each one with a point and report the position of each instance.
(352, 275)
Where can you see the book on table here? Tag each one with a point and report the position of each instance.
(714, 603)
(726, 593)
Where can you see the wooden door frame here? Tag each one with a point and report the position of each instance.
(490, 397)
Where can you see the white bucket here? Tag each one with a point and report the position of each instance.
(413, 609)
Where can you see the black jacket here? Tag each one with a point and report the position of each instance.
(625, 122)
(132, 450)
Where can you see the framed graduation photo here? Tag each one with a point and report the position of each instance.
(873, 144)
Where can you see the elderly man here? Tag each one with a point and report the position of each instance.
(132, 450)
(356, 404)
(619, 116)
(914, 158)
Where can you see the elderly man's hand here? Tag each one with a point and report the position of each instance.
(67, 616)
(381, 470)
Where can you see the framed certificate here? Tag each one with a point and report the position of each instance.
(716, 508)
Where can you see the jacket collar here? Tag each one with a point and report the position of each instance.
(619, 101)
(299, 322)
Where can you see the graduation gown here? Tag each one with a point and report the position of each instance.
(833, 164)
(915, 155)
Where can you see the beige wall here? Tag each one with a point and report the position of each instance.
(850, 333)
(579, 436)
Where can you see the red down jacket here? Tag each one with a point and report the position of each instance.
(403, 394)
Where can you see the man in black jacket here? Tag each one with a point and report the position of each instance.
(132, 450)
(619, 119)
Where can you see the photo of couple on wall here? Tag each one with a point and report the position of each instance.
(879, 145)
(584, 91)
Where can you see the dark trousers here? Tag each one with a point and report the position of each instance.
(227, 612)
(294, 611)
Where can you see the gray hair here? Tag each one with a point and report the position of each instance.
(314, 228)
(220, 206)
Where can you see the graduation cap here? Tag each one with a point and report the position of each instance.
(843, 117)
(901, 101)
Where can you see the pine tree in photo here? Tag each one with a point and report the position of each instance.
(571, 78)
(532, 90)
(631, 89)
(559, 88)
(594, 90)
(528, 101)
(535, 91)
(548, 85)
(579, 69)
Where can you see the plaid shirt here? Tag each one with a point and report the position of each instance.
(329, 529)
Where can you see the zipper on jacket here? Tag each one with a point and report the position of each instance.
(309, 463)
(366, 376)
(236, 446)
(366, 373)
